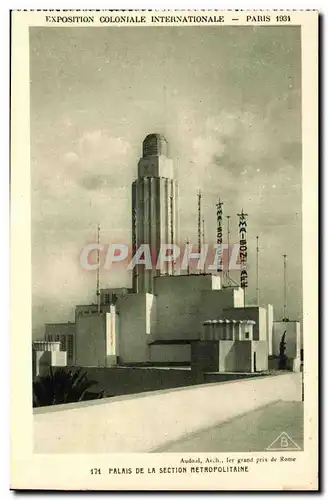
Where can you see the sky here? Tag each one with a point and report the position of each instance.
(228, 101)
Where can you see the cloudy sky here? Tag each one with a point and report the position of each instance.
(228, 100)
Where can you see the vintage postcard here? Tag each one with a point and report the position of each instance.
(164, 223)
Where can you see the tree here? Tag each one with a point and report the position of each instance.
(282, 355)
(61, 386)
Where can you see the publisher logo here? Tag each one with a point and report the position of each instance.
(283, 443)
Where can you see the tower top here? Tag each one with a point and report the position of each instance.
(155, 145)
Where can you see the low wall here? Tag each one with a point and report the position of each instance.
(225, 377)
(131, 380)
(144, 422)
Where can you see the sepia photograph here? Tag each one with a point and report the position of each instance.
(166, 223)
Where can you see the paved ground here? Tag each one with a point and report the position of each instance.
(254, 431)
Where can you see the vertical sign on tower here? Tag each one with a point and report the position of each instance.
(243, 249)
(228, 238)
(219, 238)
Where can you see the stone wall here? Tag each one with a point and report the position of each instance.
(144, 422)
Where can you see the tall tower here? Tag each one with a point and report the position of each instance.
(154, 209)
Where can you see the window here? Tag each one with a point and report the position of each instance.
(70, 346)
(49, 338)
(246, 335)
(106, 298)
(63, 342)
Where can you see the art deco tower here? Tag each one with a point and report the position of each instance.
(154, 209)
